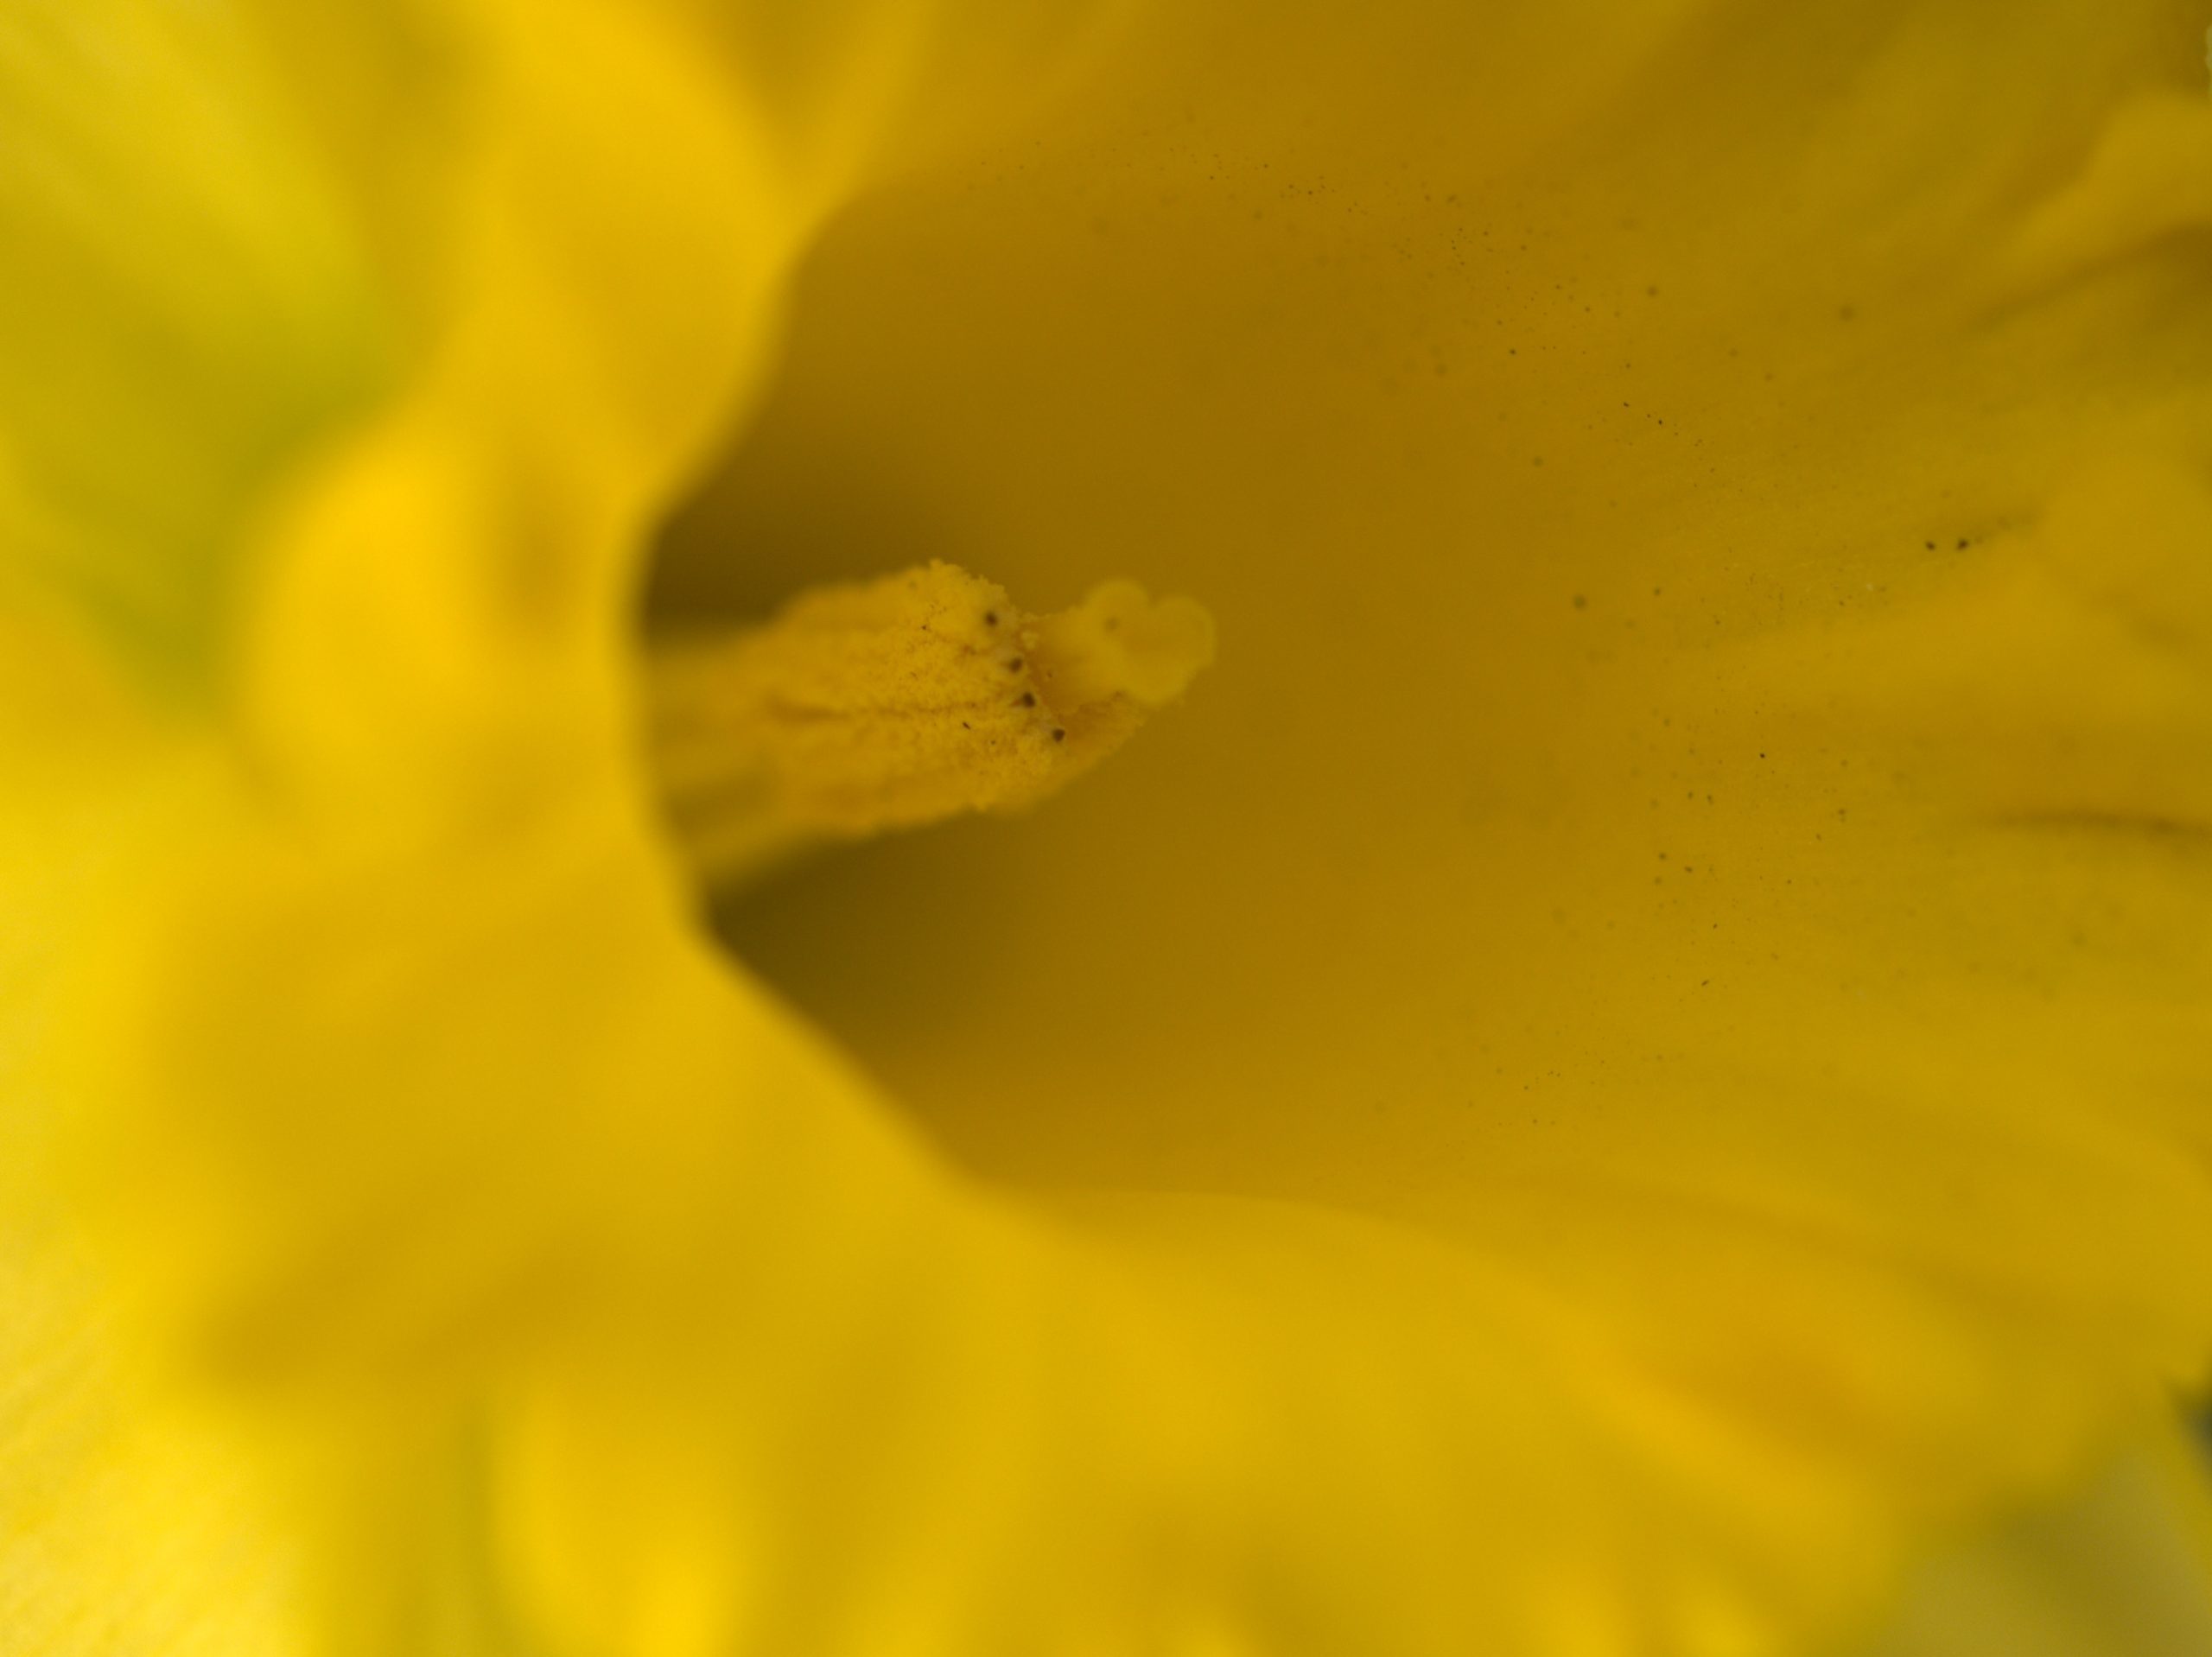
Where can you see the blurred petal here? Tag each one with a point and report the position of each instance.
(2124, 1569)
(127, 1524)
(575, 327)
(184, 312)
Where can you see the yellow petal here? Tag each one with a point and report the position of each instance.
(2121, 1568)
(129, 1522)
(415, 598)
(184, 314)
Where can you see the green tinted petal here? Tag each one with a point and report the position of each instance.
(2121, 1567)
(185, 305)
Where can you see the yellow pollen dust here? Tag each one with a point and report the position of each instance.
(896, 702)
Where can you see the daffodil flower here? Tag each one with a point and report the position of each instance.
(617, 1045)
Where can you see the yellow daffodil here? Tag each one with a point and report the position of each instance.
(618, 1046)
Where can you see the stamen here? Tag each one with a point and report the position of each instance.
(902, 702)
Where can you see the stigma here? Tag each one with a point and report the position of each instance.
(864, 708)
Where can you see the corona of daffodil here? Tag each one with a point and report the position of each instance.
(615, 1044)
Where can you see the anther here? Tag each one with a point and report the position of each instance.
(868, 708)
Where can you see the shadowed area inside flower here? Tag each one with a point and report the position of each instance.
(1637, 1053)
(1642, 698)
(1679, 823)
